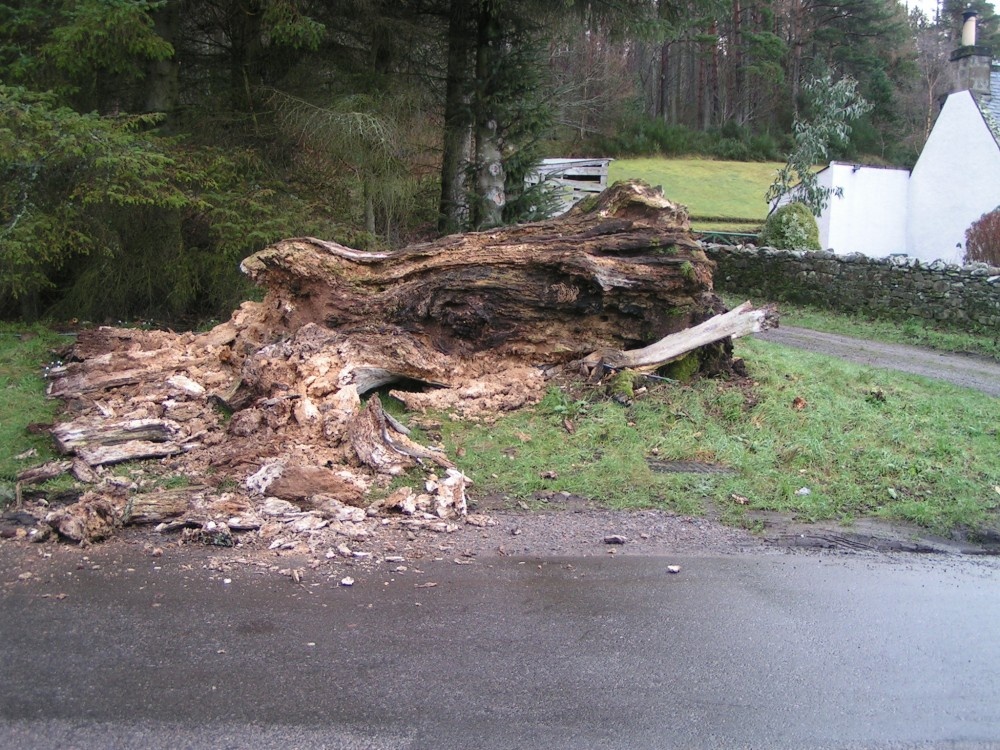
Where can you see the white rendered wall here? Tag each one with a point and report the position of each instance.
(955, 181)
(870, 216)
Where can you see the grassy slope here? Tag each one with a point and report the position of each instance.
(23, 351)
(708, 188)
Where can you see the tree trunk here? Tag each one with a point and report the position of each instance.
(490, 194)
(626, 271)
(163, 76)
(246, 49)
(458, 120)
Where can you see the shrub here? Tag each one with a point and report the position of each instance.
(791, 227)
(982, 239)
(641, 135)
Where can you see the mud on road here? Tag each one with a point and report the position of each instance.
(565, 527)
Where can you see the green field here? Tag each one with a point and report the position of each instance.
(709, 189)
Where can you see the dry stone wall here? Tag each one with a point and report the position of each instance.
(899, 286)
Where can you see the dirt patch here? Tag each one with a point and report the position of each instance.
(569, 529)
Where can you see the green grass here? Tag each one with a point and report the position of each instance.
(708, 188)
(23, 352)
(866, 443)
(913, 331)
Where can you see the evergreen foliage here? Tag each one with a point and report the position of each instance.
(147, 146)
(791, 227)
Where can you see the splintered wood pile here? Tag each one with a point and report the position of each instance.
(269, 404)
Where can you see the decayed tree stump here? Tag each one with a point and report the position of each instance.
(624, 273)
(475, 321)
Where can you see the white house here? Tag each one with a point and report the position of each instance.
(956, 179)
(925, 213)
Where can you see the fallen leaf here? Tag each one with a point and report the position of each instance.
(549, 475)
(799, 403)
(739, 499)
(569, 426)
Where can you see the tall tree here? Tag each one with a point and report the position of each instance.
(454, 212)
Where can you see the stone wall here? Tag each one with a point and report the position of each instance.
(899, 286)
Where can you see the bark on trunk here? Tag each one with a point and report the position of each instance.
(490, 193)
(163, 76)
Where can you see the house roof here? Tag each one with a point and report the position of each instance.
(994, 104)
(991, 107)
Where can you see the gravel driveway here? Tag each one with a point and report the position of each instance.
(968, 370)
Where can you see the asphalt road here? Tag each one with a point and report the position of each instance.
(765, 651)
(968, 370)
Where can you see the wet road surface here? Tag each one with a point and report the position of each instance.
(765, 651)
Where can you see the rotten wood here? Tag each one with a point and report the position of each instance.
(740, 321)
(159, 506)
(44, 472)
(473, 324)
(624, 273)
(93, 518)
(71, 436)
(134, 450)
(384, 448)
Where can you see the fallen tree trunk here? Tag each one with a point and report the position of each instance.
(472, 323)
(624, 273)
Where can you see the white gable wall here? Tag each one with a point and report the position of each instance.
(955, 181)
(870, 216)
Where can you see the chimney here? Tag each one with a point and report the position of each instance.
(969, 28)
(970, 62)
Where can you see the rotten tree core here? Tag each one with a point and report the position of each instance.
(271, 400)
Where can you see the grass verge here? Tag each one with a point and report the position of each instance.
(912, 331)
(862, 442)
(23, 352)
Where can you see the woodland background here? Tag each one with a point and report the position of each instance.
(146, 147)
